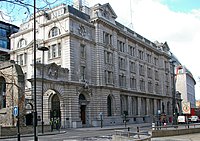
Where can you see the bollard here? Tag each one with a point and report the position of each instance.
(153, 126)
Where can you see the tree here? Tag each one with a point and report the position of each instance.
(20, 10)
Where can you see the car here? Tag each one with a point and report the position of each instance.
(194, 119)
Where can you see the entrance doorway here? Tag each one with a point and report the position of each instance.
(83, 114)
(82, 102)
(29, 119)
(55, 113)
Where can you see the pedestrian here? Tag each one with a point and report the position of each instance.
(57, 124)
(51, 124)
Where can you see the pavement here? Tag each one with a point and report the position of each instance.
(145, 126)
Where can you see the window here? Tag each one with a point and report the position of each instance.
(122, 80)
(149, 72)
(121, 46)
(141, 69)
(109, 105)
(22, 59)
(167, 90)
(59, 49)
(142, 85)
(157, 88)
(122, 63)
(107, 38)
(21, 43)
(54, 32)
(54, 51)
(2, 93)
(156, 75)
(108, 57)
(108, 77)
(82, 72)
(83, 51)
(148, 58)
(150, 87)
(3, 32)
(3, 44)
(133, 83)
(131, 50)
(132, 67)
(140, 54)
(155, 61)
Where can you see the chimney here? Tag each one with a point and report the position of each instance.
(79, 4)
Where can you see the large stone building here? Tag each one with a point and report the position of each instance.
(94, 66)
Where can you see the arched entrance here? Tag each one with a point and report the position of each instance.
(82, 102)
(55, 114)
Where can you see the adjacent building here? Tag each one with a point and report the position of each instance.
(95, 67)
(185, 84)
(6, 29)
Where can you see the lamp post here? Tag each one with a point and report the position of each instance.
(34, 76)
(174, 93)
(43, 49)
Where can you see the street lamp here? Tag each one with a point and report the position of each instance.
(174, 92)
(34, 76)
(43, 49)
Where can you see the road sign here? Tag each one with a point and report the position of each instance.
(15, 111)
(186, 107)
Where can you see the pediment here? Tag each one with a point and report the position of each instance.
(106, 11)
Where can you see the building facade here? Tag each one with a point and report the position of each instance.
(6, 30)
(185, 84)
(95, 67)
(11, 94)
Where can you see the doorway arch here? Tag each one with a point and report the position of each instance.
(55, 114)
(82, 102)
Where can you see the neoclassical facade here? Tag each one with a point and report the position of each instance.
(94, 66)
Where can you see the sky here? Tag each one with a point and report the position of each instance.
(175, 21)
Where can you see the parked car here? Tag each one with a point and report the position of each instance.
(194, 119)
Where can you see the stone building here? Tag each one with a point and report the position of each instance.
(94, 66)
(11, 94)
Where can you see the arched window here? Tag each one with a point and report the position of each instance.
(109, 105)
(81, 97)
(2, 93)
(54, 32)
(21, 43)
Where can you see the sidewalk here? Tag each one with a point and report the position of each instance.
(115, 127)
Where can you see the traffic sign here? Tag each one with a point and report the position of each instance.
(186, 107)
(15, 111)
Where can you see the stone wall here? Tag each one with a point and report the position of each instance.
(174, 132)
(12, 131)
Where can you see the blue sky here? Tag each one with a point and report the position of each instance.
(182, 5)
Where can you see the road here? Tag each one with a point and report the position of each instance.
(97, 134)
(81, 134)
